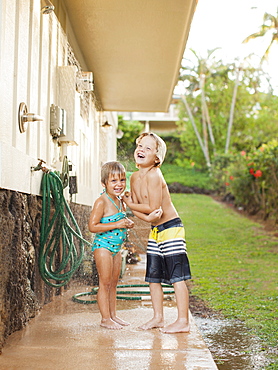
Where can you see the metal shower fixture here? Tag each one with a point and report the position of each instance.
(47, 7)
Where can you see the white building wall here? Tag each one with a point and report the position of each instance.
(33, 54)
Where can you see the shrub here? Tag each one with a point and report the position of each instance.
(253, 180)
(220, 174)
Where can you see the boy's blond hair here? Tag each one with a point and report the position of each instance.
(160, 146)
(113, 168)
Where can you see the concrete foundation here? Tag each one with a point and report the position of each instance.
(22, 291)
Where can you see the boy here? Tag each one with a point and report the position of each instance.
(167, 260)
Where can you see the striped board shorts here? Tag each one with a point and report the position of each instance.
(167, 260)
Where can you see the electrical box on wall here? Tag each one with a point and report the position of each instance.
(73, 185)
(57, 121)
(85, 81)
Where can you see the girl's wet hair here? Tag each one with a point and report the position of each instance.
(160, 146)
(111, 168)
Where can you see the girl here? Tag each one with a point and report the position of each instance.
(108, 220)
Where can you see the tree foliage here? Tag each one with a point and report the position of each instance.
(210, 89)
(269, 26)
(126, 144)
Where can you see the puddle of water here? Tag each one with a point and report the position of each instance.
(231, 344)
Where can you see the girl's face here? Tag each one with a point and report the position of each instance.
(116, 184)
(145, 152)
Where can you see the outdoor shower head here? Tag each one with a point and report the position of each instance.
(47, 7)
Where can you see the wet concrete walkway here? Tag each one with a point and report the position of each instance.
(67, 336)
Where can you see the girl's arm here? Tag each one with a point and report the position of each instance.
(94, 224)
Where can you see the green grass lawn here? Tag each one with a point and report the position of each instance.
(233, 264)
(186, 176)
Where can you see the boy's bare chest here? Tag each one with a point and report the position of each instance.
(140, 189)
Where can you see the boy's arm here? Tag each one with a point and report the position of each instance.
(154, 190)
(132, 199)
(153, 216)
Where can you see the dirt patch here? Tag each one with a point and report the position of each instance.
(198, 308)
(176, 187)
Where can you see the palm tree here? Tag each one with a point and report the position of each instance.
(232, 109)
(196, 76)
(270, 24)
(200, 141)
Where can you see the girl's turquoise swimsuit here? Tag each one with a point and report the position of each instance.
(111, 239)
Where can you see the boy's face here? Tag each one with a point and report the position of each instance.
(145, 152)
(116, 184)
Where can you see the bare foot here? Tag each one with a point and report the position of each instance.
(179, 326)
(153, 323)
(110, 324)
(120, 321)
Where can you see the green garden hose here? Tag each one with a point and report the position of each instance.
(122, 293)
(58, 257)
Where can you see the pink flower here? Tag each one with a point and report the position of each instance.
(243, 153)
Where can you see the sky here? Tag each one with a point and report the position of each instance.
(225, 23)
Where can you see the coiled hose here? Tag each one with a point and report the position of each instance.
(138, 295)
(59, 257)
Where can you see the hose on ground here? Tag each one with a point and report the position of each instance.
(122, 294)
